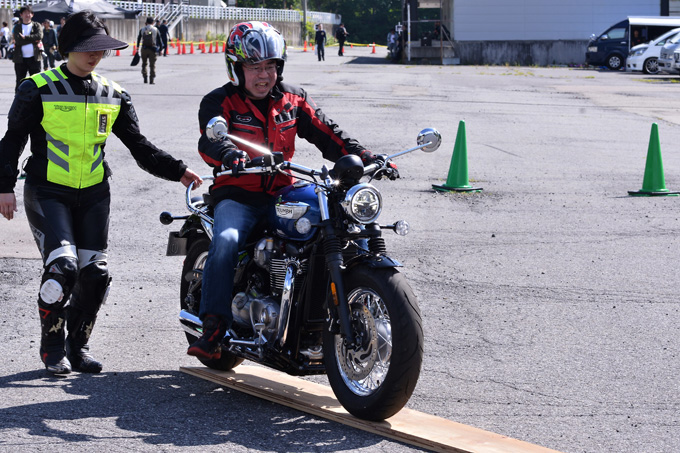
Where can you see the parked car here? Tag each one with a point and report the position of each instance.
(612, 47)
(644, 57)
(668, 61)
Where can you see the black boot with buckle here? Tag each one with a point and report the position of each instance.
(80, 326)
(52, 353)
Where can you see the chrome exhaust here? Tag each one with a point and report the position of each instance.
(190, 323)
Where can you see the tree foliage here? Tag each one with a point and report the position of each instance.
(367, 21)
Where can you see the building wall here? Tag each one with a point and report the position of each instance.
(523, 53)
(537, 32)
(503, 20)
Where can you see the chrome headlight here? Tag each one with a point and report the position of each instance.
(363, 203)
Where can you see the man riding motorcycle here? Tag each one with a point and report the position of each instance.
(263, 110)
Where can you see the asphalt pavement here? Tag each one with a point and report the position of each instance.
(549, 299)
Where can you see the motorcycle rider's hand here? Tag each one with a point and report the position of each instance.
(235, 160)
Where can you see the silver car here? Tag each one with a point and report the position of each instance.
(669, 56)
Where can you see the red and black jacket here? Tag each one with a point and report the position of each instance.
(290, 113)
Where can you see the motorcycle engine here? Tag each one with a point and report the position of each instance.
(259, 312)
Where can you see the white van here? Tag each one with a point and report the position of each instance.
(667, 62)
(644, 57)
(613, 46)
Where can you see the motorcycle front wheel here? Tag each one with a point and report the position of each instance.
(190, 298)
(374, 379)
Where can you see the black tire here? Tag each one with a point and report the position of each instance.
(614, 62)
(651, 66)
(384, 308)
(198, 251)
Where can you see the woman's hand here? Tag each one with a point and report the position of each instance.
(189, 177)
(8, 205)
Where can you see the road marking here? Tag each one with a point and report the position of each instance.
(408, 426)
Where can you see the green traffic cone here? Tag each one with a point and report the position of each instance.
(654, 182)
(457, 181)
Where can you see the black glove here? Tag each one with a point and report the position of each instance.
(236, 160)
(388, 169)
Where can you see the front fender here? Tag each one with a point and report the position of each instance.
(372, 261)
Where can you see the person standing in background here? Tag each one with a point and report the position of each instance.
(164, 34)
(49, 44)
(27, 38)
(4, 40)
(61, 24)
(148, 38)
(320, 39)
(341, 35)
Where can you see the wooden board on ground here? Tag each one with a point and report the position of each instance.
(408, 426)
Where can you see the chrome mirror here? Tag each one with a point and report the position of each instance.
(431, 136)
(217, 129)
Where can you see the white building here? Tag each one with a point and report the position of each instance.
(538, 32)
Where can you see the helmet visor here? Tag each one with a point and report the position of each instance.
(260, 45)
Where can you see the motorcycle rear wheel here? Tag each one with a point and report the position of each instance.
(375, 380)
(194, 261)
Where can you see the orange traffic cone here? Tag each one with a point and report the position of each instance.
(304, 49)
(373, 51)
(118, 53)
(191, 47)
(184, 49)
(210, 48)
(351, 46)
(134, 49)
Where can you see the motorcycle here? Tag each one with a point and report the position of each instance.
(314, 289)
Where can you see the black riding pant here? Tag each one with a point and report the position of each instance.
(70, 223)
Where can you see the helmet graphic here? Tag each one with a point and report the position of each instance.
(253, 42)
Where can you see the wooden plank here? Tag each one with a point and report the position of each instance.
(408, 426)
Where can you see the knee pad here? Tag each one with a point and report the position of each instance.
(93, 287)
(58, 281)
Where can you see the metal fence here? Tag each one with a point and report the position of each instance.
(211, 12)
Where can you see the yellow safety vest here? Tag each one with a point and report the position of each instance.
(76, 127)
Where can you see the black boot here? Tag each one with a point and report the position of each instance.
(208, 346)
(145, 79)
(77, 350)
(151, 80)
(52, 351)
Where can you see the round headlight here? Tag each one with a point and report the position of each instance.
(363, 203)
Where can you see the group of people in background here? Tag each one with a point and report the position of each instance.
(320, 40)
(33, 46)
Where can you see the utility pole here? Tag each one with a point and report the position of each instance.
(304, 20)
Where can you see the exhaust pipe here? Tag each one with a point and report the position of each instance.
(190, 323)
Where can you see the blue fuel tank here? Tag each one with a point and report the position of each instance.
(293, 204)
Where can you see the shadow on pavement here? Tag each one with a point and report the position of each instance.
(166, 408)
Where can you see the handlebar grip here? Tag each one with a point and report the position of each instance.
(371, 168)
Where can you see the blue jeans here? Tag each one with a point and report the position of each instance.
(233, 223)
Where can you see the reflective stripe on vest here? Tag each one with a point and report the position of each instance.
(76, 128)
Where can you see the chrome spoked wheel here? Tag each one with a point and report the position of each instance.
(363, 368)
(375, 377)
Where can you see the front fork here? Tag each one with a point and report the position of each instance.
(334, 262)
